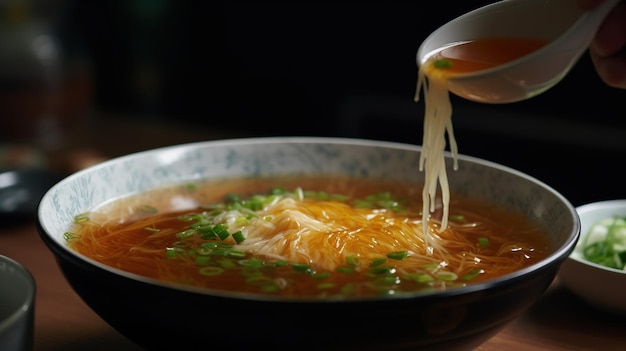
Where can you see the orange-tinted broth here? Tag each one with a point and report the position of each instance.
(126, 244)
(482, 54)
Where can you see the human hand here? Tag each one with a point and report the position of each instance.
(608, 48)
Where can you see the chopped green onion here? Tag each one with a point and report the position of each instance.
(211, 270)
(226, 263)
(181, 244)
(320, 275)
(268, 288)
(387, 280)
(257, 278)
(378, 261)
(238, 236)
(346, 269)
(352, 260)
(83, 217)
(241, 220)
(279, 190)
(173, 252)
(382, 270)
(447, 276)
(420, 277)
(254, 204)
(220, 252)
(301, 267)
(441, 63)
(232, 198)
(203, 260)
(252, 263)
(483, 242)
(281, 263)
(348, 289)
(236, 253)
(472, 274)
(254, 275)
(398, 255)
(186, 234)
(221, 230)
(325, 285)
(605, 243)
(148, 209)
(69, 236)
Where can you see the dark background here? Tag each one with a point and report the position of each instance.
(334, 69)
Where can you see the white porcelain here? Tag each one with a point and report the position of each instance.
(568, 28)
(600, 286)
(17, 305)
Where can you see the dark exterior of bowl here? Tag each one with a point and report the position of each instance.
(156, 317)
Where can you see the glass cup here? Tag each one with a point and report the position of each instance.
(17, 306)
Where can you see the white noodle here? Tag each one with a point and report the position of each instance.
(437, 122)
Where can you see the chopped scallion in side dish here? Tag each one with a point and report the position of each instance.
(605, 243)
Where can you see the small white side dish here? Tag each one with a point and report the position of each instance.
(17, 303)
(600, 286)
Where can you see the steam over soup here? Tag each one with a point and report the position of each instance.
(307, 236)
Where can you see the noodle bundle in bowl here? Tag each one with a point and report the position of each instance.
(268, 242)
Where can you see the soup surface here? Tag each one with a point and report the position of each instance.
(327, 236)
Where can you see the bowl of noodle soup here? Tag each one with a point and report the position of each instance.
(305, 243)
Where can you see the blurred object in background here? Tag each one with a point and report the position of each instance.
(45, 81)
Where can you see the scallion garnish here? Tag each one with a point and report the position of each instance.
(325, 285)
(398, 255)
(352, 260)
(83, 217)
(238, 236)
(210, 270)
(148, 209)
(346, 269)
(472, 274)
(378, 261)
(442, 63)
(605, 243)
(301, 267)
(206, 239)
(483, 242)
(69, 236)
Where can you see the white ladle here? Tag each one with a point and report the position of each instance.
(568, 28)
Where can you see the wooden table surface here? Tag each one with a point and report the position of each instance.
(559, 321)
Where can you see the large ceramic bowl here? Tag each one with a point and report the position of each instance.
(160, 316)
(600, 286)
